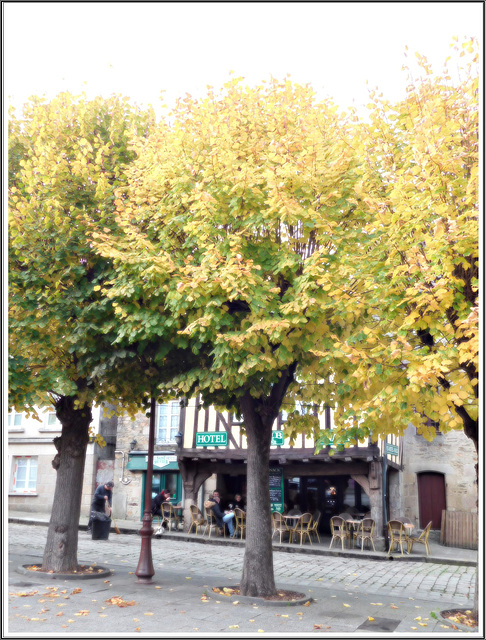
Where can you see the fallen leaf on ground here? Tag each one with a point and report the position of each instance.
(234, 626)
(370, 618)
(82, 612)
(347, 605)
(120, 602)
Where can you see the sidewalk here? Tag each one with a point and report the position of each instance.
(438, 553)
(350, 593)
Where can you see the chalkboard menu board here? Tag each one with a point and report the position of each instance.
(276, 489)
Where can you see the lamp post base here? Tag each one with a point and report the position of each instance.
(145, 568)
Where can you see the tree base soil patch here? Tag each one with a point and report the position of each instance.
(283, 596)
(461, 618)
(82, 572)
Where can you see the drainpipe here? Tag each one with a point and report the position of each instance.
(123, 480)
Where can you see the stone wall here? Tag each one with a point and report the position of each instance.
(452, 454)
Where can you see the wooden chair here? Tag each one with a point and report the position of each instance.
(197, 520)
(423, 538)
(398, 536)
(314, 530)
(302, 528)
(279, 525)
(240, 522)
(365, 533)
(339, 530)
(169, 515)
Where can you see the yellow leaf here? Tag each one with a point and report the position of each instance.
(346, 605)
(370, 618)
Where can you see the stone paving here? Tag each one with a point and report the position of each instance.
(189, 565)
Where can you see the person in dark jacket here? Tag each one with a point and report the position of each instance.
(222, 517)
(163, 496)
(103, 495)
(237, 502)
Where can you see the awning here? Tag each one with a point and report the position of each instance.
(161, 463)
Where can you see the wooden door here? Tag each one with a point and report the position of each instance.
(432, 501)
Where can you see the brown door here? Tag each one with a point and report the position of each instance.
(431, 494)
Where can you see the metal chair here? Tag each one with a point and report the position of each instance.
(302, 528)
(170, 515)
(314, 530)
(197, 520)
(339, 530)
(423, 538)
(240, 521)
(365, 533)
(212, 524)
(280, 525)
(398, 536)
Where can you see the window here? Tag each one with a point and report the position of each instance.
(51, 419)
(168, 421)
(301, 408)
(51, 423)
(24, 475)
(14, 419)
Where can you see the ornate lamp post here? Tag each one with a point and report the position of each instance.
(145, 568)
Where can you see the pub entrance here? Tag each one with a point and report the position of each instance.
(330, 495)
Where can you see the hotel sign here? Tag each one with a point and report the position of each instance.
(212, 439)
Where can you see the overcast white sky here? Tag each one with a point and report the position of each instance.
(138, 49)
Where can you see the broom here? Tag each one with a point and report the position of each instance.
(108, 511)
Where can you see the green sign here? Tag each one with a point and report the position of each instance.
(277, 438)
(212, 439)
(392, 449)
(276, 489)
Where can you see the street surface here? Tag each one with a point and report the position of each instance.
(348, 592)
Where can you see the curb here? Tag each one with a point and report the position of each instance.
(458, 625)
(316, 552)
(23, 569)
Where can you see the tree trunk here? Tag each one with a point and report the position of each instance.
(257, 579)
(61, 550)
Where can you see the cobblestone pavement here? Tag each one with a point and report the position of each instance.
(434, 582)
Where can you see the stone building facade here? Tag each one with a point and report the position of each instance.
(444, 468)
(30, 452)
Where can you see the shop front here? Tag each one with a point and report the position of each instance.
(166, 475)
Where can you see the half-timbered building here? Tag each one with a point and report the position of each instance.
(198, 450)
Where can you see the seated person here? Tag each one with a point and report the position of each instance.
(222, 517)
(239, 502)
(236, 503)
(295, 511)
(163, 496)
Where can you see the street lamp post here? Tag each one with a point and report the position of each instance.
(145, 568)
